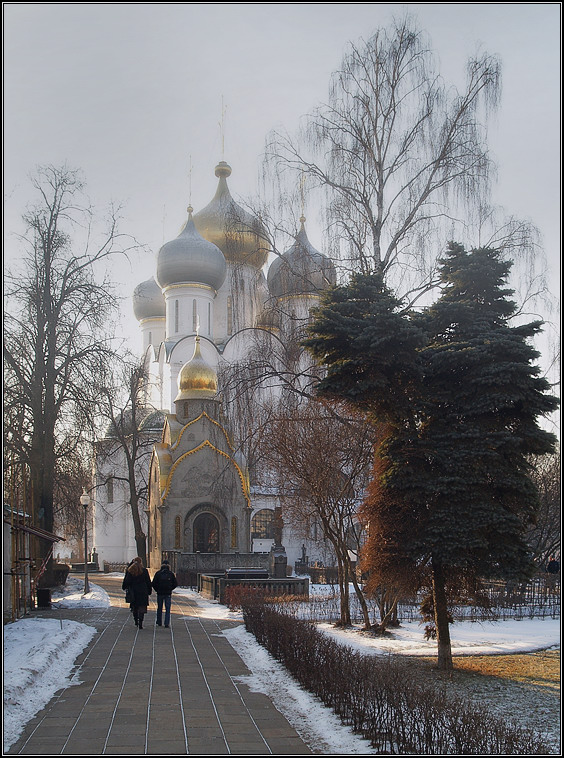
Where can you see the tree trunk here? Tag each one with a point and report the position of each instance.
(361, 598)
(444, 651)
(140, 536)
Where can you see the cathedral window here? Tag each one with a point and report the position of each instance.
(110, 490)
(234, 531)
(314, 531)
(209, 319)
(262, 525)
(229, 314)
(176, 316)
(194, 315)
(177, 532)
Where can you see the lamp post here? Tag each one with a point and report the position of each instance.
(85, 502)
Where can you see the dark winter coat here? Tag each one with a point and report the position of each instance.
(164, 582)
(140, 587)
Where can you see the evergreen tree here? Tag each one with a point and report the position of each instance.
(462, 396)
(368, 345)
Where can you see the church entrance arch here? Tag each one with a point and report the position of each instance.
(206, 533)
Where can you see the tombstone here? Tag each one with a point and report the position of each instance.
(278, 562)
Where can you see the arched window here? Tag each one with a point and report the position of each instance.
(234, 531)
(194, 315)
(110, 490)
(229, 314)
(206, 533)
(209, 318)
(177, 532)
(176, 316)
(262, 525)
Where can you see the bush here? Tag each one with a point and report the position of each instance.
(378, 698)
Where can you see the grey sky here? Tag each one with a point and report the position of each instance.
(127, 92)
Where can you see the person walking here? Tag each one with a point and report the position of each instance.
(138, 587)
(164, 582)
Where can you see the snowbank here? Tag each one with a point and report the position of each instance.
(71, 595)
(39, 656)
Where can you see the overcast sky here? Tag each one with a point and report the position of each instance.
(127, 92)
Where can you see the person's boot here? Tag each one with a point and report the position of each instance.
(141, 621)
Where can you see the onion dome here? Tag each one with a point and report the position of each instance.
(148, 300)
(154, 422)
(232, 229)
(190, 258)
(301, 270)
(197, 379)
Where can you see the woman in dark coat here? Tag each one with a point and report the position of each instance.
(138, 582)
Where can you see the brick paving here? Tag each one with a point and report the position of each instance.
(157, 691)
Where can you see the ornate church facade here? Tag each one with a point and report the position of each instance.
(213, 314)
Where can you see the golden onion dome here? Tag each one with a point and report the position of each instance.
(223, 222)
(197, 379)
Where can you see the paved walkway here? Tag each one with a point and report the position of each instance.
(157, 691)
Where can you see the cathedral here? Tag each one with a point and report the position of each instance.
(216, 314)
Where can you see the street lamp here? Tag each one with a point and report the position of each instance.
(85, 502)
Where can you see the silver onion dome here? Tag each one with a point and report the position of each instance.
(148, 300)
(190, 258)
(301, 270)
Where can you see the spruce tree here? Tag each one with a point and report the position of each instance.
(369, 347)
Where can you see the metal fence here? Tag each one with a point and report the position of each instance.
(539, 598)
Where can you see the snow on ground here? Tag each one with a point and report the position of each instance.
(467, 637)
(316, 724)
(39, 656)
(71, 595)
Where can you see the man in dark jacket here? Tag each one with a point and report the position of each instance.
(164, 582)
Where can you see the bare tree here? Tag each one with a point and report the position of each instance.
(321, 457)
(403, 159)
(545, 536)
(131, 427)
(58, 304)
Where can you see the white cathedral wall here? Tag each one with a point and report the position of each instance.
(239, 301)
(113, 531)
(189, 307)
(114, 537)
(153, 332)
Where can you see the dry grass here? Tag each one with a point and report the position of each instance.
(541, 668)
